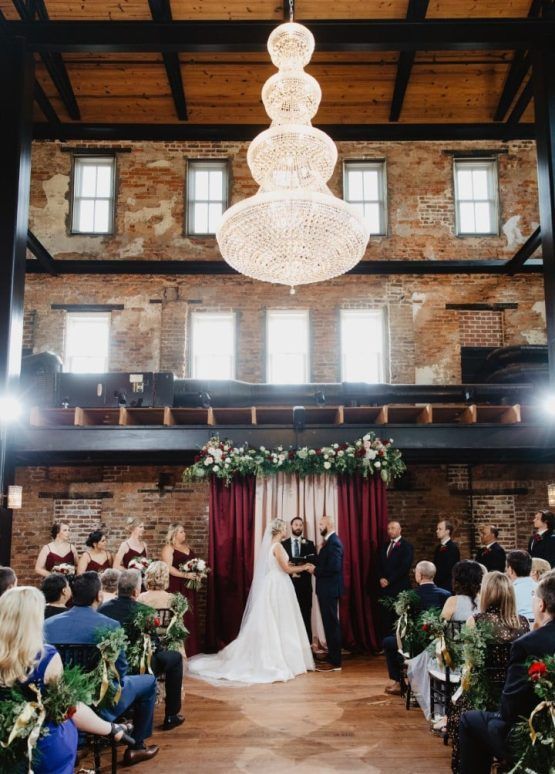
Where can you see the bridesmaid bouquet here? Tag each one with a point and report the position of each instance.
(64, 569)
(199, 568)
(139, 563)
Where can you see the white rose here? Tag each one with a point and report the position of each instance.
(208, 461)
(377, 464)
(201, 564)
(340, 453)
(366, 437)
(336, 446)
(216, 468)
(326, 456)
(371, 454)
(327, 465)
(262, 448)
(311, 451)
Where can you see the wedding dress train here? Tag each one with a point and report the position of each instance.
(272, 644)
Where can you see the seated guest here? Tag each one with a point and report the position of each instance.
(25, 659)
(498, 606)
(542, 542)
(80, 625)
(446, 555)
(466, 581)
(97, 558)
(168, 662)
(8, 579)
(491, 554)
(430, 596)
(484, 734)
(109, 584)
(157, 580)
(519, 566)
(57, 593)
(540, 567)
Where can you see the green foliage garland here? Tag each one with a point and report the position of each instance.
(107, 681)
(175, 635)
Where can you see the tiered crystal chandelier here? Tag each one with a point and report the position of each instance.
(294, 230)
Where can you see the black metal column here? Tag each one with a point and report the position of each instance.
(16, 69)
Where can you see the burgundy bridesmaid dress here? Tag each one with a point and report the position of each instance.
(190, 619)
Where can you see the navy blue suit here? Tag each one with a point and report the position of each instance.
(329, 587)
(79, 626)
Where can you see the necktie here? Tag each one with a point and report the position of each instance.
(391, 544)
(296, 552)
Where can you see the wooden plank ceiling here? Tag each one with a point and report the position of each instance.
(358, 88)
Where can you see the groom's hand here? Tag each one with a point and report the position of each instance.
(384, 583)
(310, 568)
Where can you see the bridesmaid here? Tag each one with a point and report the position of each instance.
(133, 546)
(97, 558)
(59, 551)
(178, 551)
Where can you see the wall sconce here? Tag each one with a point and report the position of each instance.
(15, 497)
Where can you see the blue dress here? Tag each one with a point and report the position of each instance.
(54, 753)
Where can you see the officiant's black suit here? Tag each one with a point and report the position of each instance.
(303, 584)
(395, 568)
(329, 587)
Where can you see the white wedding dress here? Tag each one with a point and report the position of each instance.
(272, 644)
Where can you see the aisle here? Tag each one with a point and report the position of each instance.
(319, 723)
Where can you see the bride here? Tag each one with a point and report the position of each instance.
(272, 643)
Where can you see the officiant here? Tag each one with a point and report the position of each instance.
(300, 549)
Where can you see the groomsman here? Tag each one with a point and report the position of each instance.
(395, 561)
(491, 555)
(296, 546)
(446, 555)
(542, 542)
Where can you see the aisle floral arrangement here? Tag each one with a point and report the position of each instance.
(533, 740)
(368, 456)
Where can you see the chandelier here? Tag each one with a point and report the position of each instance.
(294, 230)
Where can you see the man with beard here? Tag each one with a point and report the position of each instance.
(298, 546)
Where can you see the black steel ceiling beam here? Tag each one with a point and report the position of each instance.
(247, 132)
(161, 12)
(53, 61)
(416, 11)
(522, 103)
(40, 252)
(524, 252)
(186, 267)
(46, 107)
(517, 72)
(332, 35)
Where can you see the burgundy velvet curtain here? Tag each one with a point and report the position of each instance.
(231, 557)
(362, 527)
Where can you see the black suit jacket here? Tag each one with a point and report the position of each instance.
(493, 558)
(543, 547)
(445, 558)
(396, 567)
(431, 596)
(329, 570)
(518, 697)
(304, 581)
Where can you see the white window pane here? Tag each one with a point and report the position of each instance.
(214, 217)
(480, 183)
(482, 217)
(213, 367)
(464, 183)
(87, 365)
(371, 187)
(466, 218)
(86, 215)
(88, 180)
(360, 208)
(355, 187)
(361, 345)
(287, 347)
(201, 184)
(104, 181)
(213, 346)
(200, 223)
(216, 185)
(288, 369)
(102, 216)
(372, 217)
(87, 343)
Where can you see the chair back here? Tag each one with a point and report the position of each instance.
(85, 656)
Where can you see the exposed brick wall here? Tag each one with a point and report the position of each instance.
(28, 330)
(481, 329)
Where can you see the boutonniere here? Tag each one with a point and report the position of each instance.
(443, 549)
(537, 537)
(303, 541)
(396, 545)
(486, 551)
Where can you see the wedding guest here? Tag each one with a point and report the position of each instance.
(296, 546)
(97, 558)
(446, 554)
(109, 584)
(8, 579)
(431, 596)
(25, 659)
(157, 580)
(57, 593)
(466, 581)
(58, 552)
(491, 555)
(176, 552)
(133, 546)
(540, 567)
(542, 542)
(485, 734)
(519, 566)
(80, 625)
(167, 662)
(395, 561)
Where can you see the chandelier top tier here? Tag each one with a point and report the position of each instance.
(294, 230)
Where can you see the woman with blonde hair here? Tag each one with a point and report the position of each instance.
(134, 546)
(272, 644)
(157, 578)
(539, 568)
(24, 660)
(175, 553)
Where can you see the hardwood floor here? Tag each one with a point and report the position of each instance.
(318, 723)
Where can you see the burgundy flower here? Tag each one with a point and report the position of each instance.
(537, 670)
(425, 627)
(70, 712)
(537, 537)
(157, 622)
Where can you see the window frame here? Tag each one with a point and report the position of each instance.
(87, 157)
(191, 165)
(197, 314)
(493, 177)
(381, 166)
(308, 360)
(96, 315)
(378, 312)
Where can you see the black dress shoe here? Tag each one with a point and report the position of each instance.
(137, 755)
(172, 721)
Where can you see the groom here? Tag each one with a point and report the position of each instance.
(329, 587)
